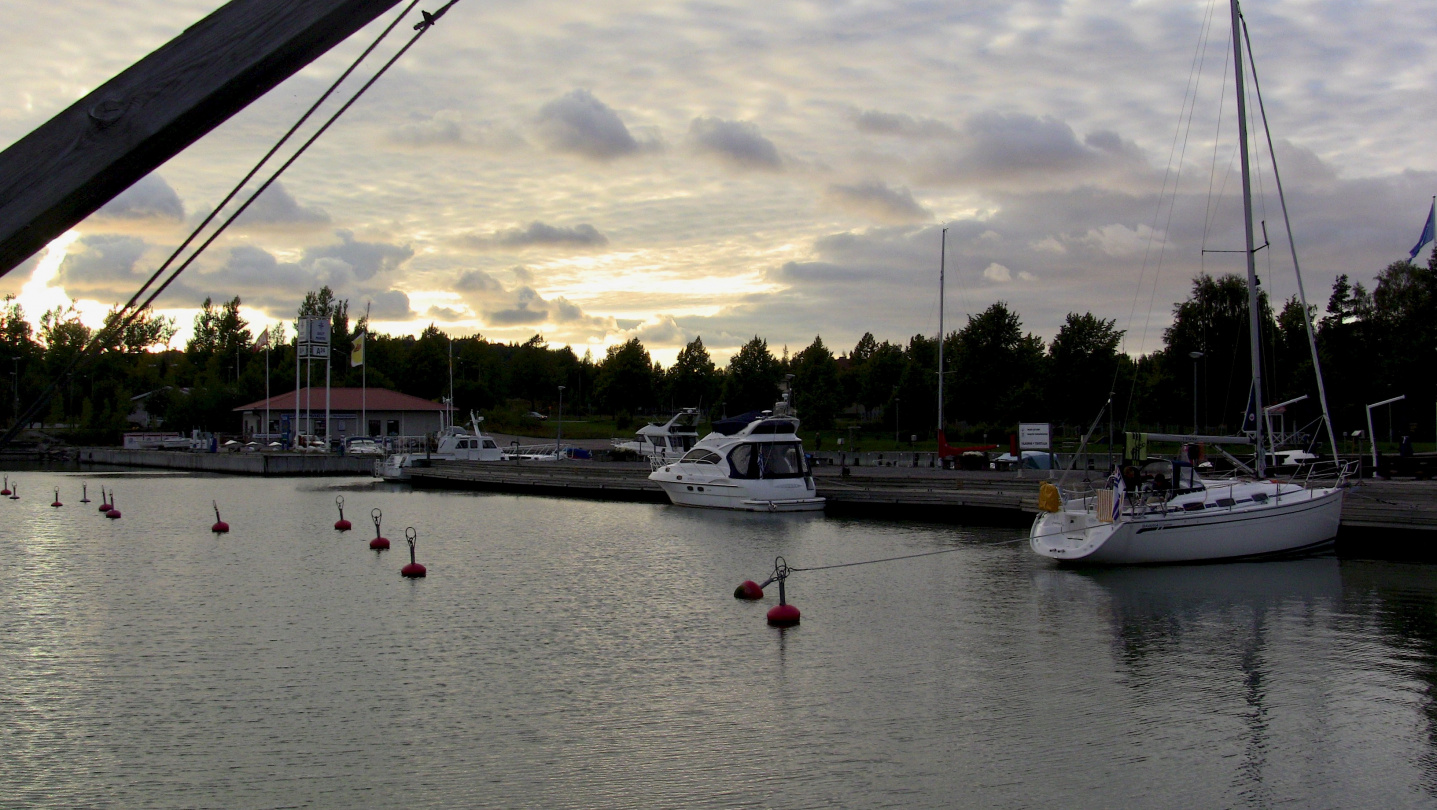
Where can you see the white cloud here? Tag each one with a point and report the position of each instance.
(997, 272)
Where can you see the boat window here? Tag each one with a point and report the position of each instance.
(740, 459)
(774, 426)
(1259, 497)
(702, 456)
(489, 444)
(463, 444)
(657, 441)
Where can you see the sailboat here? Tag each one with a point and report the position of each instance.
(1181, 517)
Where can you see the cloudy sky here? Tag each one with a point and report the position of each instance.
(597, 171)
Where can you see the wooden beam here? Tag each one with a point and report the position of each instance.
(82, 158)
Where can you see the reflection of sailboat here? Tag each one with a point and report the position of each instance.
(1173, 521)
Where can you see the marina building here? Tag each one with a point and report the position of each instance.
(375, 412)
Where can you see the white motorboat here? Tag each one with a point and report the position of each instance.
(664, 441)
(756, 467)
(1153, 517)
(454, 444)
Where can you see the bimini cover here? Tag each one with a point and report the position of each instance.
(734, 424)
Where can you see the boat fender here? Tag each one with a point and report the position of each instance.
(1048, 498)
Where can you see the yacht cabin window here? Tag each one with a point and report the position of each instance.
(766, 460)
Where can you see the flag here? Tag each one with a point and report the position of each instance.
(263, 342)
(1428, 230)
(357, 357)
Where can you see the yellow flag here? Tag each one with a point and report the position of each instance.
(357, 357)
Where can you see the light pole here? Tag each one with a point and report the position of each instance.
(559, 443)
(15, 383)
(1196, 356)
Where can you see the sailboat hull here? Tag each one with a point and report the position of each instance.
(1302, 522)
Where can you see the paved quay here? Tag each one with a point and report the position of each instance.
(1387, 518)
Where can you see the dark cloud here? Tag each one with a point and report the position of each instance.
(1022, 152)
(906, 126)
(445, 314)
(525, 311)
(577, 123)
(276, 206)
(878, 201)
(737, 143)
(447, 129)
(102, 266)
(387, 305)
(364, 260)
(538, 233)
(477, 281)
(149, 198)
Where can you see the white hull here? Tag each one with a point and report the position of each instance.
(784, 495)
(1297, 522)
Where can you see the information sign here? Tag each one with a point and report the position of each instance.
(1035, 436)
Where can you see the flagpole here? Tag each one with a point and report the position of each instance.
(266, 384)
(300, 326)
(364, 372)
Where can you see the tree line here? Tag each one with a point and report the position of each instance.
(996, 374)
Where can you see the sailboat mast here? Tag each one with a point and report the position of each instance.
(942, 257)
(1252, 297)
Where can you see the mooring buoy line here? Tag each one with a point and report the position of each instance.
(124, 317)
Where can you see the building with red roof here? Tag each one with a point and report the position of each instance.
(373, 412)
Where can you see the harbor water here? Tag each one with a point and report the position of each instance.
(580, 654)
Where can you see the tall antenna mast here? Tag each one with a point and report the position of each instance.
(942, 258)
(1252, 297)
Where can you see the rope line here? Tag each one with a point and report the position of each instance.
(904, 556)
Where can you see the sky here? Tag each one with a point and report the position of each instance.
(599, 171)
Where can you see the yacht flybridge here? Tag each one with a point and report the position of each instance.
(665, 441)
(1166, 513)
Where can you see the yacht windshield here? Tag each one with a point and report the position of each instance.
(767, 460)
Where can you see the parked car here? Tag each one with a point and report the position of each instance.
(364, 447)
(535, 415)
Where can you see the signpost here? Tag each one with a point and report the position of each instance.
(311, 343)
(1034, 436)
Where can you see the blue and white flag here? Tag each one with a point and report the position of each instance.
(1428, 230)
(1119, 488)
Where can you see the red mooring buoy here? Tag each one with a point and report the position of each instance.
(749, 590)
(341, 525)
(56, 503)
(413, 570)
(105, 504)
(379, 543)
(6, 490)
(782, 614)
(220, 526)
(113, 514)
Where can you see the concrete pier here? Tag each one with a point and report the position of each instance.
(1380, 519)
(231, 463)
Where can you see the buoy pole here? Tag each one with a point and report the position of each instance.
(15, 492)
(104, 500)
(783, 614)
(114, 513)
(220, 526)
(6, 490)
(341, 525)
(84, 493)
(56, 503)
(380, 543)
(413, 570)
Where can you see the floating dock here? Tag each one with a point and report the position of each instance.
(229, 463)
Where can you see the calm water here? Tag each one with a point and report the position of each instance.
(576, 654)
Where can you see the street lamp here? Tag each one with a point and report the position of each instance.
(559, 443)
(1196, 356)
